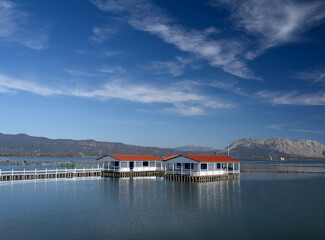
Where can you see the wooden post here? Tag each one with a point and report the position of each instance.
(199, 169)
(227, 168)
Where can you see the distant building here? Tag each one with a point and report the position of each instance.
(201, 165)
(131, 163)
(282, 158)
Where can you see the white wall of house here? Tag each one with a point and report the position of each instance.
(138, 166)
(194, 168)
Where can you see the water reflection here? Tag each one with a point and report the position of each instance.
(153, 208)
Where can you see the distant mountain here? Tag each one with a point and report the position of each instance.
(196, 148)
(275, 148)
(24, 144)
(249, 148)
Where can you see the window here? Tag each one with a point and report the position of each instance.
(145, 164)
(116, 164)
(204, 166)
(188, 166)
(218, 165)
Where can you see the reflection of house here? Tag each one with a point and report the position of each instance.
(135, 165)
(203, 166)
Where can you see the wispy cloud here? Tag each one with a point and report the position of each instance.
(316, 75)
(274, 22)
(294, 98)
(102, 54)
(275, 126)
(111, 69)
(14, 26)
(184, 101)
(173, 67)
(13, 84)
(147, 17)
(79, 73)
(229, 85)
(309, 131)
(100, 34)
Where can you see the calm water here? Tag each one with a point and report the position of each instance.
(259, 206)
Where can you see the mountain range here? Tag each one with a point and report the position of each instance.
(274, 148)
(22, 144)
(248, 148)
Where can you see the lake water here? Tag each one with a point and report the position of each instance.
(258, 206)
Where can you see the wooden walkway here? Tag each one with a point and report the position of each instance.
(48, 173)
(12, 175)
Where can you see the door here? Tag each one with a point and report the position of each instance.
(131, 165)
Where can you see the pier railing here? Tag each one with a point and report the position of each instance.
(56, 172)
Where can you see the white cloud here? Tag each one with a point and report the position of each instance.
(186, 110)
(79, 73)
(274, 22)
(309, 131)
(230, 86)
(14, 27)
(111, 69)
(13, 84)
(316, 75)
(175, 67)
(149, 18)
(275, 126)
(172, 67)
(102, 54)
(184, 101)
(294, 98)
(100, 34)
(112, 53)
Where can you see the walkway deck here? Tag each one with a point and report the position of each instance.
(48, 173)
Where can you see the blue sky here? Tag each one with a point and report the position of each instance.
(163, 73)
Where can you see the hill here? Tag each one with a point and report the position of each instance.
(22, 144)
(248, 148)
(275, 148)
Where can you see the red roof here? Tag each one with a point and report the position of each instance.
(170, 157)
(206, 158)
(135, 157)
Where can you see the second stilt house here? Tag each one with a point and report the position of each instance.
(201, 165)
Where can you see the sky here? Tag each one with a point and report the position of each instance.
(163, 73)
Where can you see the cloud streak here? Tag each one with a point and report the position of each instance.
(275, 126)
(187, 102)
(309, 131)
(147, 17)
(101, 34)
(274, 22)
(294, 98)
(14, 27)
(316, 75)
